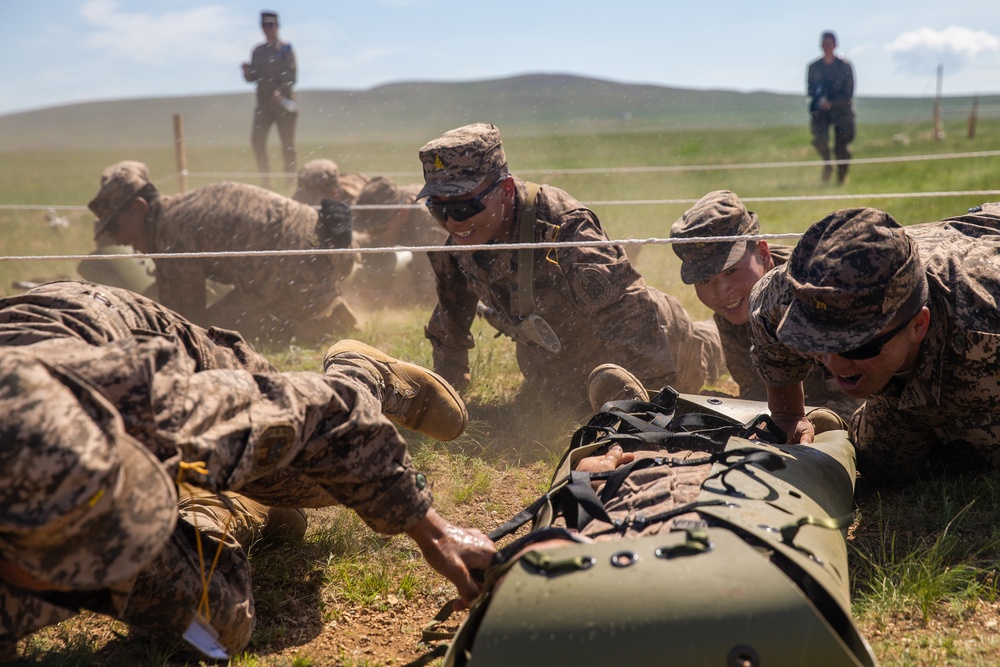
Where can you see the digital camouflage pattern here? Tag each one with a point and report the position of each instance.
(119, 184)
(458, 161)
(99, 314)
(594, 300)
(283, 439)
(850, 274)
(820, 389)
(398, 227)
(719, 213)
(317, 180)
(947, 409)
(270, 294)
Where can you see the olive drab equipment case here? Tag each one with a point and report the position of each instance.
(761, 580)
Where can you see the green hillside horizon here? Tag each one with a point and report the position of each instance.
(523, 105)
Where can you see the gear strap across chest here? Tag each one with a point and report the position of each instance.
(526, 256)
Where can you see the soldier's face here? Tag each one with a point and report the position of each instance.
(728, 292)
(860, 378)
(492, 223)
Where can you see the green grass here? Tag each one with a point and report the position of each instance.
(923, 558)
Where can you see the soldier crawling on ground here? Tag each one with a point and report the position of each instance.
(905, 318)
(568, 309)
(272, 297)
(723, 274)
(157, 441)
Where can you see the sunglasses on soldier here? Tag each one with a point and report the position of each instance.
(873, 348)
(462, 209)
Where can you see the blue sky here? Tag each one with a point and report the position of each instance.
(63, 51)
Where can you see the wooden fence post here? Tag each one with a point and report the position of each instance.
(180, 153)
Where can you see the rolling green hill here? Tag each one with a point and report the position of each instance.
(530, 104)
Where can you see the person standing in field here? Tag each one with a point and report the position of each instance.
(272, 66)
(830, 86)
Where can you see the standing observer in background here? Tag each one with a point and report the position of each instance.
(830, 86)
(272, 66)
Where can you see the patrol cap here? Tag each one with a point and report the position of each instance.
(458, 161)
(851, 274)
(719, 213)
(120, 183)
(82, 504)
(320, 175)
(380, 191)
(268, 16)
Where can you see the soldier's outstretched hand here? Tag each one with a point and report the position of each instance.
(453, 552)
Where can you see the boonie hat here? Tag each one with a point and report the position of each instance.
(380, 191)
(458, 161)
(850, 273)
(82, 504)
(719, 213)
(318, 175)
(120, 183)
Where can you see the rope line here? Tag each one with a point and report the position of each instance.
(309, 252)
(664, 168)
(629, 202)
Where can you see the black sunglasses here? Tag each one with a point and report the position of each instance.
(873, 348)
(462, 209)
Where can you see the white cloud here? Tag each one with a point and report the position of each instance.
(206, 34)
(920, 51)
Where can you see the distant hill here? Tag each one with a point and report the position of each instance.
(537, 103)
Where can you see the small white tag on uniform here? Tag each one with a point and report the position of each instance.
(203, 637)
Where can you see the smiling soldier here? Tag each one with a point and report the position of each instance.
(723, 274)
(569, 309)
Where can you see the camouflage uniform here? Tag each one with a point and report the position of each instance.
(289, 439)
(271, 295)
(595, 302)
(820, 389)
(376, 228)
(947, 407)
(99, 314)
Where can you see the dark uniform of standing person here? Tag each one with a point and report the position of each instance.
(273, 297)
(568, 309)
(830, 86)
(272, 67)
(905, 318)
(138, 449)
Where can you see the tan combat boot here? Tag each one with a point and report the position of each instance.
(413, 396)
(824, 419)
(609, 382)
(246, 520)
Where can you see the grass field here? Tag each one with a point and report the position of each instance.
(923, 558)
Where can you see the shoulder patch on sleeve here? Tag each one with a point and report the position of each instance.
(592, 287)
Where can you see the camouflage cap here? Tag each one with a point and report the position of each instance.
(82, 504)
(379, 191)
(719, 213)
(120, 183)
(850, 274)
(319, 175)
(460, 159)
